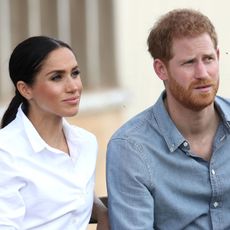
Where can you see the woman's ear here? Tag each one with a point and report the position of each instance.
(218, 53)
(160, 69)
(24, 90)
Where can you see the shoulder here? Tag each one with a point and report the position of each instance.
(144, 123)
(10, 134)
(10, 140)
(14, 132)
(136, 125)
(223, 105)
(133, 135)
(223, 102)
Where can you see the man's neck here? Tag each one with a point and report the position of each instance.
(197, 127)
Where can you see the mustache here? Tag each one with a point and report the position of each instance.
(202, 83)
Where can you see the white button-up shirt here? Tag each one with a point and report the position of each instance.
(41, 187)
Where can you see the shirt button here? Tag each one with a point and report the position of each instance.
(185, 144)
(215, 204)
(213, 172)
(74, 220)
(222, 138)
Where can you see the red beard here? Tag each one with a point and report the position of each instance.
(191, 99)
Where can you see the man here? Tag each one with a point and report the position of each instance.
(169, 167)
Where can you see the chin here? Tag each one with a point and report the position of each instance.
(75, 113)
(70, 113)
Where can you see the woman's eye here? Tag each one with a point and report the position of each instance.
(75, 73)
(56, 77)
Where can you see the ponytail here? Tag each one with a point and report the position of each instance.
(12, 109)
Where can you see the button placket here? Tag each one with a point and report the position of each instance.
(216, 191)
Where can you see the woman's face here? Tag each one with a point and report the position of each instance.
(57, 87)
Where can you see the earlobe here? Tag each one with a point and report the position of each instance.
(24, 90)
(160, 69)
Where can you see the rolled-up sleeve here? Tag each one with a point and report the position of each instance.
(131, 204)
(12, 208)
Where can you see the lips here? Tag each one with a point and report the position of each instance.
(72, 100)
(203, 86)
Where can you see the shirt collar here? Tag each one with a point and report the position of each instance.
(76, 137)
(37, 143)
(73, 136)
(167, 127)
(223, 107)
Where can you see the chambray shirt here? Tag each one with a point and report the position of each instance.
(155, 182)
(42, 188)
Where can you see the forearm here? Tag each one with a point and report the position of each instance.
(100, 214)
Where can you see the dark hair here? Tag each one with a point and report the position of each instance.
(25, 62)
(178, 23)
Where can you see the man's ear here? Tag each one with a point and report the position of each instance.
(160, 69)
(24, 90)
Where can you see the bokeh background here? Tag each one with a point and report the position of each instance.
(109, 38)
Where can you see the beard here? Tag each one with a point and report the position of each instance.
(193, 100)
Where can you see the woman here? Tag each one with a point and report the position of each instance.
(47, 166)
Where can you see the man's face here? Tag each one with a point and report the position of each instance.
(193, 72)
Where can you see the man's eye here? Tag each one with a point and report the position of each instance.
(189, 62)
(209, 59)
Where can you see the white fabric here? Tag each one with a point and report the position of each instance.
(42, 188)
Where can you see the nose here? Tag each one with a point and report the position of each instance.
(73, 84)
(201, 70)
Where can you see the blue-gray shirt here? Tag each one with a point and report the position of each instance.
(154, 181)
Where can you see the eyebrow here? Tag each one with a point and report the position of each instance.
(61, 71)
(193, 58)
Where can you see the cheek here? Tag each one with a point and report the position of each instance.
(46, 92)
(178, 77)
(213, 69)
(216, 71)
(79, 84)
